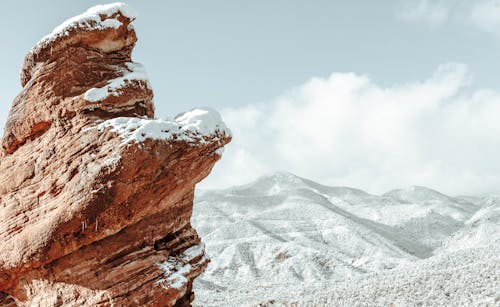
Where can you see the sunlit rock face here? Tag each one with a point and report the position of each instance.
(96, 195)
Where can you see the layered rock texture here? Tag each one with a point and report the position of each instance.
(96, 195)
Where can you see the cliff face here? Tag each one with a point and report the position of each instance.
(96, 195)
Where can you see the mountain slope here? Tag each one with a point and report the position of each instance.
(284, 230)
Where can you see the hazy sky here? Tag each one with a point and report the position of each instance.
(371, 94)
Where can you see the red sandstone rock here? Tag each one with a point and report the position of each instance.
(95, 207)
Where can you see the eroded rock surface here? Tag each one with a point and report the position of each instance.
(96, 195)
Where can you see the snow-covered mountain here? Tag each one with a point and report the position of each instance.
(481, 230)
(283, 230)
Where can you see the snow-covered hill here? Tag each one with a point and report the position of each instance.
(282, 233)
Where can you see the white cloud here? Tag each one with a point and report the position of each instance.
(486, 16)
(432, 13)
(347, 130)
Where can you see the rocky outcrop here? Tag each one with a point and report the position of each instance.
(96, 195)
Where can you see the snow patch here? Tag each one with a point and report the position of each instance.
(90, 20)
(202, 121)
(193, 252)
(135, 72)
(219, 151)
(193, 126)
(175, 272)
(176, 268)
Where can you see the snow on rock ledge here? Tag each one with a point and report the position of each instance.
(193, 127)
(106, 28)
(135, 72)
(95, 18)
(177, 268)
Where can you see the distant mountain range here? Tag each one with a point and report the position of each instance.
(285, 230)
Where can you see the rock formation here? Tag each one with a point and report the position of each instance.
(96, 195)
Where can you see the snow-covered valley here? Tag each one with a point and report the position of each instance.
(285, 240)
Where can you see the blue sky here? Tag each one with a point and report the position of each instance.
(250, 59)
